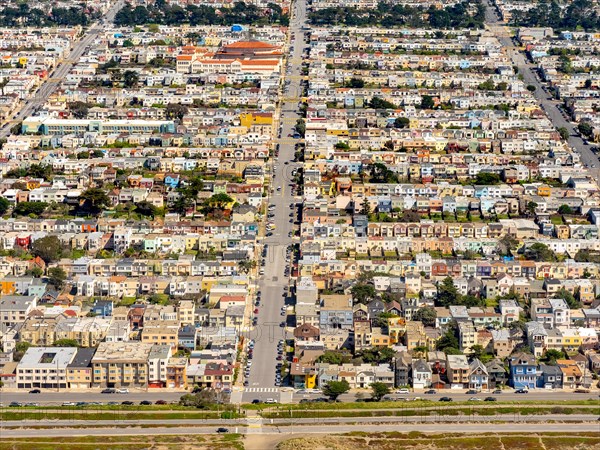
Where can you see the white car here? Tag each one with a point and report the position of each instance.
(123, 391)
(402, 391)
(270, 401)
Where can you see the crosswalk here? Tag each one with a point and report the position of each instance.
(262, 389)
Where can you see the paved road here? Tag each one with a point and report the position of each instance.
(550, 106)
(301, 430)
(57, 398)
(62, 70)
(461, 396)
(261, 382)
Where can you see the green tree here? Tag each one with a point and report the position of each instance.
(4, 205)
(427, 102)
(568, 297)
(356, 83)
(506, 244)
(427, 315)
(57, 277)
(447, 294)
(30, 208)
(176, 111)
(334, 389)
(145, 208)
(66, 343)
(379, 390)
(564, 133)
(586, 129)
(49, 248)
(363, 292)
(565, 209)
(95, 199)
(201, 399)
(402, 122)
(247, 265)
(539, 252)
(130, 79)
(552, 355)
(20, 349)
(336, 357)
(487, 178)
(531, 88)
(448, 339)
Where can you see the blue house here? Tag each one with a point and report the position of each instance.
(172, 180)
(103, 308)
(523, 371)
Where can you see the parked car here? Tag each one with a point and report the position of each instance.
(127, 402)
(431, 391)
(256, 401)
(402, 391)
(160, 402)
(123, 391)
(35, 391)
(497, 391)
(270, 401)
(521, 391)
(474, 399)
(445, 399)
(490, 399)
(145, 402)
(108, 391)
(472, 392)
(15, 404)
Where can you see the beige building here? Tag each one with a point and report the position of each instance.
(121, 364)
(161, 332)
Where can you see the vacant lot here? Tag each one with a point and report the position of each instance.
(420, 441)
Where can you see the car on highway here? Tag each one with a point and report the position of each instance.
(68, 403)
(15, 404)
(160, 402)
(445, 399)
(402, 391)
(123, 391)
(270, 401)
(35, 391)
(222, 430)
(108, 391)
(490, 399)
(521, 391)
(430, 391)
(145, 402)
(127, 403)
(256, 401)
(474, 399)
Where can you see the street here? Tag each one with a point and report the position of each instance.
(542, 426)
(550, 107)
(62, 70)
(268, 331)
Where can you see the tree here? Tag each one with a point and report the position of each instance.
(336, 357)
(427, 102)
(586, 129)
(357, 83)
(378, 390)
(363, 292)
(49, 248)
(427, 315)
(145, 208)
(30, 208)
(402, 122)
(79, 109)
(4, 205)
(95, 199)
(130, 78)
(552, 355)
(300, 127)
(334, 389)
(202, 399)
(531, 207)
(20, 349)
(66, 343)
(247, 265)
(448, 339)
(447, 294)
(539, 252)
(379, 103)
(57, 277)
(565, 210)
(175, 111)
(568, 297)
(564, 133)
(487, 178)
(506, 244)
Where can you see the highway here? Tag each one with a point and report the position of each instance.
(57, 398)
(549, 105)
(268, 331)
(62, 70)
(539, 426)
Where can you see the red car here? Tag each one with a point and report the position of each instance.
(256, 311)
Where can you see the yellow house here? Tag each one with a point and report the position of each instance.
(396, 329)
(255, 118)
(544, 190)
(8, 287)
